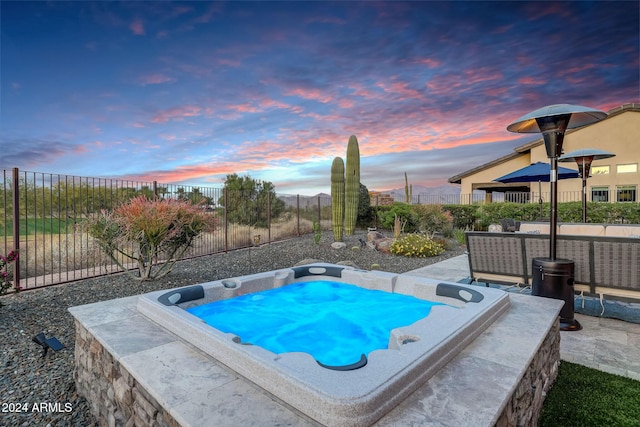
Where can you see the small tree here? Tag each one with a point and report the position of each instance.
(248, 201)
(152, 228)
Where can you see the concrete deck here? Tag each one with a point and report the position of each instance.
(605, 344)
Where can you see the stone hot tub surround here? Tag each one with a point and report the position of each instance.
(133, 371)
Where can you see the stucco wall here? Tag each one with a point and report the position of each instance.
(618, 134)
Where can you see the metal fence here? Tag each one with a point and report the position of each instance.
(42, 216)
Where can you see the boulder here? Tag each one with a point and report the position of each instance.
(384, 244)
(374, 235)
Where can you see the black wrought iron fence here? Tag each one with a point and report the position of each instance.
(42, 216)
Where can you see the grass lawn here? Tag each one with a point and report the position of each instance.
(584, 396)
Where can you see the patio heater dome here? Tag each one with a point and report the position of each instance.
(553, 117)
(585, 156)
(583, 159)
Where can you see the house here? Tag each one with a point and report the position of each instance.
(614, 179)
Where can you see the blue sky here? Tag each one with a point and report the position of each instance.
(188, 92)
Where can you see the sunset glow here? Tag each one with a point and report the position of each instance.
(188, 92)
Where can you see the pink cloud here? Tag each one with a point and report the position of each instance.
(478, 75)
(154, 79)
(312, 94)
(168, 137)
(244, 108)
(401, 88)
(431, 63)
(176, 113)
(137, 27)
(531, 81)
(272, 103)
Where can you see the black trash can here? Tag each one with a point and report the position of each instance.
(554, 279)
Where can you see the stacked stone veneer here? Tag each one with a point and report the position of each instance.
(114, 396)
(523, 409)
(117, 399)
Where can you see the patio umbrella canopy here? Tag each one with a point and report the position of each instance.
(539, 171)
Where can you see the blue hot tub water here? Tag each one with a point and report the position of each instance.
(334, 322)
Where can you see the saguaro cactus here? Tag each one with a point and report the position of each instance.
(352, 186)
(337, 197)
(408, 190)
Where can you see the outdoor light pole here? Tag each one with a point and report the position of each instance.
(554, 277)
(584, 158)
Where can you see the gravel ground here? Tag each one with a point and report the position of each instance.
(28, 380)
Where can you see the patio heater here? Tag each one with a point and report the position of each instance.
(583, 158)
(552, 277)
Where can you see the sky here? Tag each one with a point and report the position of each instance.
(189, 92)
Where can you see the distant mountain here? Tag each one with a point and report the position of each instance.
(306, 201)
(422, 194)
(440, 194)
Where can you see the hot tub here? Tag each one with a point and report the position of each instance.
(361, 394)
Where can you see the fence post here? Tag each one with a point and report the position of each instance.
(155, 189)
(269, 217)
(298, 215)
(226, 219)
(319, 210)
(16, 227)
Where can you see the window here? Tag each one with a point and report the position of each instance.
(600, 170)
(600, 194)
(626, 193)
(628, 168)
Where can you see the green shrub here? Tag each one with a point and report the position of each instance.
(431, 219)
(387, 216)
(464, 216)
(416, 245)
(459, 236)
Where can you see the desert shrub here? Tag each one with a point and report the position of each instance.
(157, 231)
(459, 236)
(431, 219)
(464, 216)
(416, 245)
(5, 283)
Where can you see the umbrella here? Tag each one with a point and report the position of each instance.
(538, 171)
